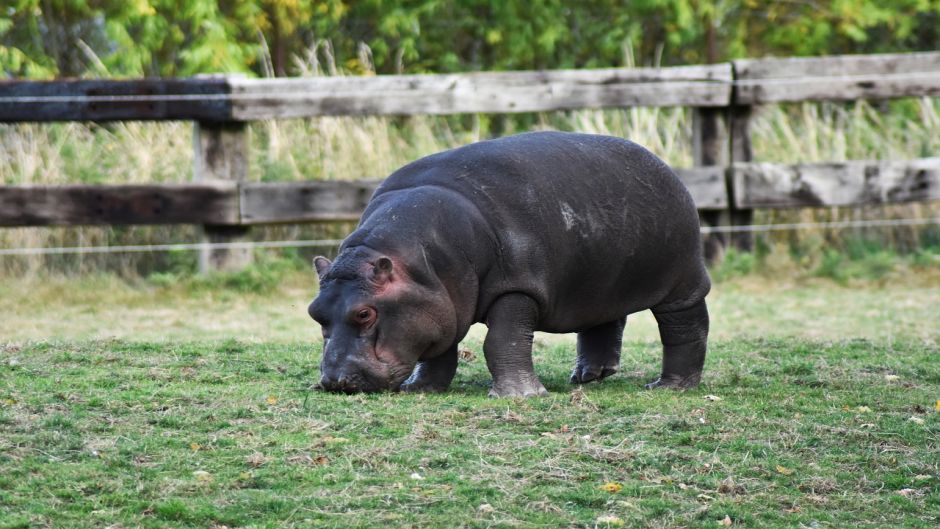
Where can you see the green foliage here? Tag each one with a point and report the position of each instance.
(264, 275)
(866, 264)
(49, 38)
(733, 264)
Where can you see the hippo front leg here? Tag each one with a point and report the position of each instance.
(433, 375)
(684, 334)
(508, 347)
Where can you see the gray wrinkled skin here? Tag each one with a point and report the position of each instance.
(544, 231)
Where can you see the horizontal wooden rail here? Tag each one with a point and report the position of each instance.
(757, 185)
(312, 201)
(767, 185)
(109, 100)
(494, 92)
(235, 98)
(836, 78)
(195, 203)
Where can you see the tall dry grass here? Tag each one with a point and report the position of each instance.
(896, 130)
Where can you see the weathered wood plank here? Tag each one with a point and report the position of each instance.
(70, 205)
(222, 155)
(837, 78)
(111, 100)
(739, 124)
(496, 92)
(311, 201)
(342, 200)
(706, 185)
(710, 147)
(769, 185)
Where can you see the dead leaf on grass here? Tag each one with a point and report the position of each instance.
(256, 459)
(307, 459)
(485, 508)
(784, 470)
(579, 399)
(916, 420)
(194, 447)
(728, 486)
(203, 477)
(271, 400)
(864, 409)
(611, 487)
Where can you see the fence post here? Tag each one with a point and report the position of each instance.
(221, 153)
(710, 147)
(740, 118)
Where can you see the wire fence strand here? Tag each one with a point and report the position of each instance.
(323, 243)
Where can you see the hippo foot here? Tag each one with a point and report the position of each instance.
(675, 382)
(590, 373)
(518, 389)
(421, 386)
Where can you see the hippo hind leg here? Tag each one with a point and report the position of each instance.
(433, 375)
(684, 334)
(598, 352)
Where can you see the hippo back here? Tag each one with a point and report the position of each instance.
(591, 227)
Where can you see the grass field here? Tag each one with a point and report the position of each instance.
(161, 407)
(814, 434)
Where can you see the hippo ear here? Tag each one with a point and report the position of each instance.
(382, 270)
(322, 265)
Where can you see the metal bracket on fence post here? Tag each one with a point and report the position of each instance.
(221, 153)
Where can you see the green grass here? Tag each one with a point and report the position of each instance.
(226, 433)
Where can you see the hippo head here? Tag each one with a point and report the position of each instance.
(377, 321)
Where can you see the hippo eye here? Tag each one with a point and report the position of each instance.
(364, 315)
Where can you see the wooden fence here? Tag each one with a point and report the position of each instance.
(725, 184)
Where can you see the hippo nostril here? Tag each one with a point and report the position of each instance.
(327, 383)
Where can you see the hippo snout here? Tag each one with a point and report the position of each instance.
(345, 383)
(349, 380)
(337, 385)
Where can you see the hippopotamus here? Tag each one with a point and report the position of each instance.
(543, 231)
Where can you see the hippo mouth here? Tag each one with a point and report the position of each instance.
(362, 382)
